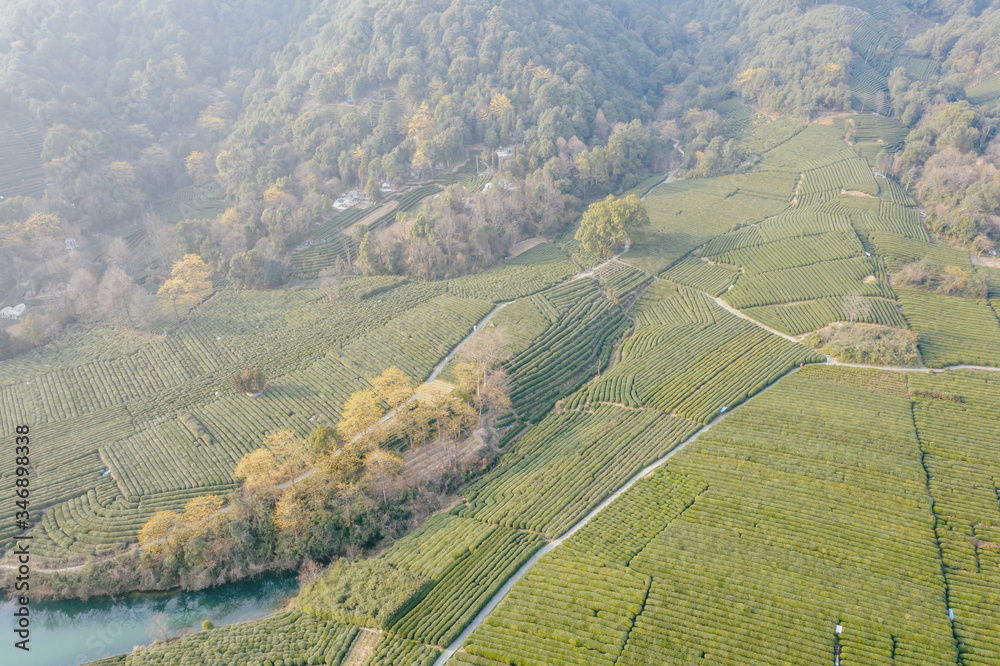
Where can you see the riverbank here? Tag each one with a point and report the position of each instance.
(70, 632)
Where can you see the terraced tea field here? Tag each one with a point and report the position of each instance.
(784, 520)
(192, 203)
(985, 91)
(287, 637)
(952, 329)
(132, 427)
(801, 318)
(955, 416)
(574, 348)
(789, 496)
(329, 243)
(705, 275)
(531, 271)
(567, 464)
(20, 157)
(687, 213)
(693, 369)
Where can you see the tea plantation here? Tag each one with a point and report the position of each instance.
(786, 519)
(770, 496)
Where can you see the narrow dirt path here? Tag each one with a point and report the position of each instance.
(670, 176)
(362, 648)
(729, 308)
(434, 373)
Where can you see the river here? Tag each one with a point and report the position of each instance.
(64, 633)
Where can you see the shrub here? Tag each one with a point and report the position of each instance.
(250, 270)
(949, 280)
(366, 592)
(870, 345)
(249, 380)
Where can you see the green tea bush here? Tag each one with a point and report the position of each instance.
(368, 592)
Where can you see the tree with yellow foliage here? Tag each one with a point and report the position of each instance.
(502, 109)
(188, 279)
(393, 386)
(257, 469)
(121, 173)
(197, 167)
(153, 535)
(272, 196)
(230, 217)
(420, 126)
(500, 104)
(211, 121)
(37, 226)
(468, 375)
(747, 75)
(421, 161)
(290, 513)
(361, 412)
(609, 224)
(199, 511)
(380, 469)
(291, 453)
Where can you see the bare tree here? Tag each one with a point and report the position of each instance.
(495, 392)
(114, 296)
(856, 307)
(162, 247)
(421, 258)
(982, 244)
(880, 102)
(330, 281)
(118, 253)
(81, 292)
(487, 348)
(381, 468)
(144, 308)
(231, 241)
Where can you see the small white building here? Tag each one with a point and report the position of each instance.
(386, 188)
(348, 199)
(12, 312)
(71, 244)
(505, 152)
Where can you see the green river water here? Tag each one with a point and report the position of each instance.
(73, 632)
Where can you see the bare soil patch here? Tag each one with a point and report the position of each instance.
(362, 648)
(525, 245)
(429, 462)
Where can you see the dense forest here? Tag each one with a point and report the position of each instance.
(145, 132)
